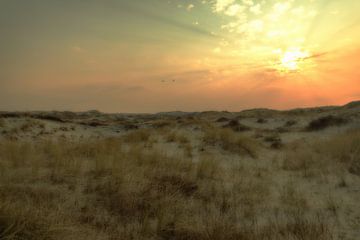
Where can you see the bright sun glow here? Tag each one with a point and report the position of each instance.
(292, 59)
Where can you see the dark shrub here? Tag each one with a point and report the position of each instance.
(162, 124)
(233, 123)
(94, 123)
(130, 126)
(49, 118)
(222, 119)
(290, 123)
(261, 121)
(355, 166)
(272, 139)
(236, 126)
(276, 145)
(282, 130)
(275, 141)
(325, 122)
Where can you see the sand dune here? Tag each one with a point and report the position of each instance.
(255, 174)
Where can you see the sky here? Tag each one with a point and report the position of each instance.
(169, 55)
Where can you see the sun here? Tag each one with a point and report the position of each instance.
(292, 60)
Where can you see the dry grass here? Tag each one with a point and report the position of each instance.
(208, 167)
(292, 198)
(162, 124)
(2, 123)
(340, 153)
(344, 149)
(303, 161)
(19, 223)
(230, 141)
(14, 131)
(141, 135)
(173, 178)
(117, 189)
(174, 136)
(30, 124)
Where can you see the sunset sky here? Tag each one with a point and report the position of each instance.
(167, 55)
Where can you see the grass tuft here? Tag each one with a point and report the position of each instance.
(230, 141)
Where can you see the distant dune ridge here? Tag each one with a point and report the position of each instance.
(258, 111)
(216, 175)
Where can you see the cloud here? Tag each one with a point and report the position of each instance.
(248, 2)
(190, 7)
(217, 50)
(184, 76)
(144, 12)
(234, 10)
(281, 7)
(256, 9)
(221, 5)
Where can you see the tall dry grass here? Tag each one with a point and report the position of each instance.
(338, 153)
(117, 189)
(2, 123)
(230, 141)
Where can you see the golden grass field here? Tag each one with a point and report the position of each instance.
(253, 175)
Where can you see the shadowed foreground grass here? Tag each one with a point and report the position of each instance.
(119, 189)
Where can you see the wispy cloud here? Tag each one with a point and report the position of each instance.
(161, 18)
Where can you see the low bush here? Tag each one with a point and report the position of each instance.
(222, 119)
(261, 121)
(48, 117)
(290, 123)
(236, 126)
(325, 122)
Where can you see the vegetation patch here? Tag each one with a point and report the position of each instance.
(325, 122)
(126, 188)
(2, 123)
(290, 123)
(137, 136)
(236, 126)
(49, 117)
(275, 141)
(261, 120)
(222, 119)
(230, 141)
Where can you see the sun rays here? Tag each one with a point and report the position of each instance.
(292, 60)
